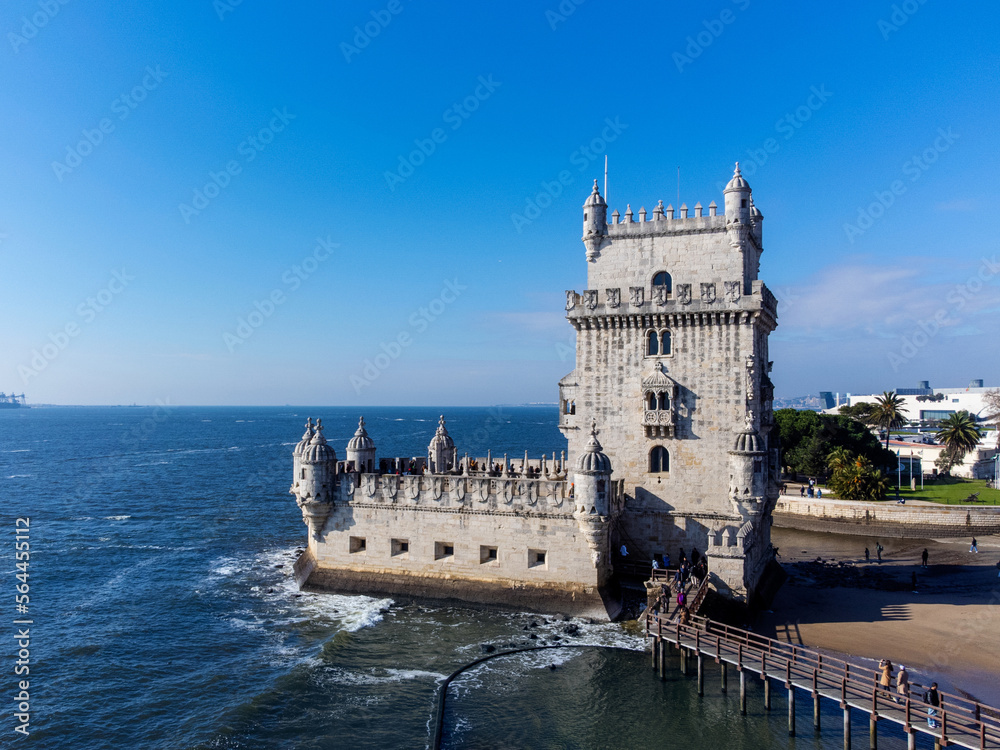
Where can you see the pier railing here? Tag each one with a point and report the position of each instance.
(959, 720)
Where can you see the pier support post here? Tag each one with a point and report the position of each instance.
(911, 740)
(767, 693)
(663, 660)
(654, 648)
(684, 661)
(873, 732)
(743, 692)
(791, 711)
(816, 711)
(701, 675)
(725, 676)
(847, 728)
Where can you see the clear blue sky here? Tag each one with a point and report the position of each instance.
(180, 92)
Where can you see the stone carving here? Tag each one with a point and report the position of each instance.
(370, 485)
(614, 297)
(458, 489)
(590, 298)
(733, 291)
(570, 299)
(483, 490)
(751, 379)
(636, 295)
(684, 294)
(708, 293)
(660, 295)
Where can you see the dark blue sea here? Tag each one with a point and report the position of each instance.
(163, 614)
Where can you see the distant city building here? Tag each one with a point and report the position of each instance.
(925, 405)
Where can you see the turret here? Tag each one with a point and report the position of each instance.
(314, 485)
(737, 195)
(591, 499)
(297, 453)
(441, 452)
(361, 450)
(748, 471)
(595, 223)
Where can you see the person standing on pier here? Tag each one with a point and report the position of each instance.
(886, 679)
(902, 684)
(933, 699)
(923, 558)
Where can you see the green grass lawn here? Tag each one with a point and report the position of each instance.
(950, 491)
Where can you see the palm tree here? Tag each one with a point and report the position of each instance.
(959, 432)
(888, 413)
(839, 459)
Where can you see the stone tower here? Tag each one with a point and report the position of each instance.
(672, 363)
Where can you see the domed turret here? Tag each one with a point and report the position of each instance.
(299, 447)
(441, 453)
(361, 449)
(316, 475)
(748, 469)
(593, 460)
(595, 222)
(591, 493)
(737, 194)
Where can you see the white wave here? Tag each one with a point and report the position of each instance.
(20, 476)
(19, 450)
(117, 518)
(154, 463)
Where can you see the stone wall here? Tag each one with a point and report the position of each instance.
(913, 520)
(479, 556)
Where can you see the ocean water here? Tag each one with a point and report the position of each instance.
(164, 615)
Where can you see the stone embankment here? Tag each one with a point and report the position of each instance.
(913, 520)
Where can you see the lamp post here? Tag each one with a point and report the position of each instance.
(899, 473)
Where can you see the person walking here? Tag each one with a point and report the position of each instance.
(868, 555)
(933, 699)
(902, 684)
(802, 491)
(923, 558)
(878, 551)
(974, 547)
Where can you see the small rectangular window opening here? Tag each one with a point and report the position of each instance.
(487, 554)
(400, 547)
(536, 558)
(443, 550)
(358, 544)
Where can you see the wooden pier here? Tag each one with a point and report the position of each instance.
(853, 686)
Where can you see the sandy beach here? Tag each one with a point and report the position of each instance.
(946, 629)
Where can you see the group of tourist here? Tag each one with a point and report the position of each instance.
(902, 681)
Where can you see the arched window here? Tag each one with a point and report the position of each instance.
(665, 343)
(664, 401)
(659, 460)
(663, 279)
(651, 402)
(652, 344)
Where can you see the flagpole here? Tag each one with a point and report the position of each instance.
(605, 179)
